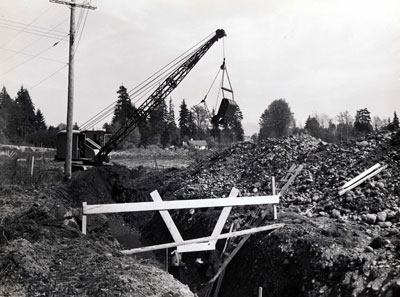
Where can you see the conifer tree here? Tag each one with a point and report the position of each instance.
(40, 123)
(395, 122)
(362, 122)
(184, 121)
(25, 113)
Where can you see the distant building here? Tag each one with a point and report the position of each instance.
(198, 144)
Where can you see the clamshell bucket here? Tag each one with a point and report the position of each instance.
(226, 111)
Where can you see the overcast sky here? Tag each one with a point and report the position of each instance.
(322, 56)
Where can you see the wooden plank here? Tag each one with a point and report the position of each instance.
(178, 204)
(167, 219)
(224, 214)
(219, 283)
(246, 232)
(361, 181)
(84, 220)
(291, 179)
(197, 247)
(217, 230)
(358, 177)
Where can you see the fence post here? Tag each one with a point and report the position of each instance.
(274, 193)
(32, 165)
(84, 219)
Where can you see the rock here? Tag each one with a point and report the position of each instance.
(385, 224)
(368, 249)
(380, 185)
(381, 216)
(369, 218)
(335, 213)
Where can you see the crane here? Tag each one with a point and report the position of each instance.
(89, 152)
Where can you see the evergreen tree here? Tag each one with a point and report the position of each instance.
(40, 123)
(172, 130)
(6, 104)
(192, 127)
(123, 109)
(313, 127)
(395, 122)
(236, 125)
(184, 121)
(215, 131)
(26, 116)
(158, 120)
(362, 122)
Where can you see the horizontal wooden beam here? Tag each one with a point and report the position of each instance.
(196, 247)
(178, 204)
(202, 239)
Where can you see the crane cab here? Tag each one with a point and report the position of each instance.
(85, 144)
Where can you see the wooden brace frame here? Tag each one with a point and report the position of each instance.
(200, 244)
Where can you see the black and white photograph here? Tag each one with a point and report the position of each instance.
(185, 148)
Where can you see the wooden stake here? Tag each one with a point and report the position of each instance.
(84, 219)
(274, 193)
(32, 164)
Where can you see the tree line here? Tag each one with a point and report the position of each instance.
(22, 123)
(164, 129)
(278, 121)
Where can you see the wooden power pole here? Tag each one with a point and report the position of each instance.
(70, 107)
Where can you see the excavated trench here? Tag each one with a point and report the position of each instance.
(330, 246)
(308, 257)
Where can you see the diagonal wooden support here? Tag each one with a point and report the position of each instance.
(167, 219)
(196, 247)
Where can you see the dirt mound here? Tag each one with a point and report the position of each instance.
(43, 253)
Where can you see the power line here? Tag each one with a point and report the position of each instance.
(33, 42)
(30, 59)
(83, 27)
(46, 78)
(15, 36)
(26, 54)
(33, 26)
(32, 31)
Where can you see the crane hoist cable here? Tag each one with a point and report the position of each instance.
(145, 87)
(227, 106)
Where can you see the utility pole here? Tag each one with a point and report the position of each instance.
(70, 107)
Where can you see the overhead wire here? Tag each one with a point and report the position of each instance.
(31, 31)
(47, 77)
(33, 26)
(30, 59)
(33, 42)
(30, 55)
(83, 27)
(145, 86)
(34, 20)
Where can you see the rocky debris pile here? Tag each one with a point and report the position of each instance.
(331, 248)
(250, 167)
(316, 257)
(43, 253)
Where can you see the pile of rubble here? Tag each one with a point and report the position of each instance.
(327, 167)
